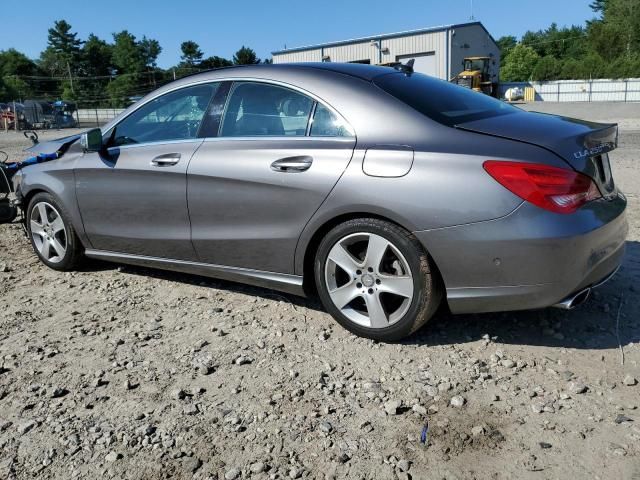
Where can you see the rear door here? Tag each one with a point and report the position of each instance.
(252, 189)
(134, 198)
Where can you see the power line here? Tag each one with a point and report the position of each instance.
(553, 41)
(107, 77)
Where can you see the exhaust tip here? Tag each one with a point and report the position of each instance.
(575, 300)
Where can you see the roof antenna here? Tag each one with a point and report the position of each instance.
(405, 67)
(472, 18)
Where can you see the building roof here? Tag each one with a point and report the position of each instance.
(385, 36)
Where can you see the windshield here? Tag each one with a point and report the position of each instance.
(476, 65)
(442, 101)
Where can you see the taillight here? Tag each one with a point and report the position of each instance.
(559, 190)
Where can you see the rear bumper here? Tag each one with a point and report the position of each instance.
(529, 259)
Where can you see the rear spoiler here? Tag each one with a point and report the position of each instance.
(597, 142)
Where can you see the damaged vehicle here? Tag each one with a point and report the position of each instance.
(386, 192)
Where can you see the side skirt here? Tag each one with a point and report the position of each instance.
(277, 281)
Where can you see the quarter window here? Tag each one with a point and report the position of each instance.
(258, 109)
(325, 123)
(174, 116)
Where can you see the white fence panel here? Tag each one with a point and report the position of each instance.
(604, 90)
(97, 116)
(633, 90)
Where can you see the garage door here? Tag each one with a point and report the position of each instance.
(425, 63)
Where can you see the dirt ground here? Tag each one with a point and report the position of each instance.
(123, 372)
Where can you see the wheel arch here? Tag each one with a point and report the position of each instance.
(305, 260)
(69, 206)
(28, 196)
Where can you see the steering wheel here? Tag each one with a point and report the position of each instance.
(124, 140)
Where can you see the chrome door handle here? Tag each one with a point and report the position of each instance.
(292, 164)
(166, 160)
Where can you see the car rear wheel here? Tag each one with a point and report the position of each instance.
(52, 236)
(376, 280)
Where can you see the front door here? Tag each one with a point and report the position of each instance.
(252, 189)
(133, 198)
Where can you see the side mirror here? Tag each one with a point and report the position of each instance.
(91, 140)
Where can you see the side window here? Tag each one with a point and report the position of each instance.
(325, 123)
(174, 116)
(259, 109)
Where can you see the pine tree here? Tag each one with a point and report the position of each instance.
(245, 56)
(191, 54)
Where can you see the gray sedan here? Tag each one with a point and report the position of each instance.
(387, 192)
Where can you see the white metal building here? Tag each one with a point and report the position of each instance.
(438, 51)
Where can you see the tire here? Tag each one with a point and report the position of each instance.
(384, 265)
(54, 240)
(8, 212)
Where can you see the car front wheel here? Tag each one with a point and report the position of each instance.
(52, 235)
(376, 280)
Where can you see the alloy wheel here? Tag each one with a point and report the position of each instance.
(48, 232)
(369, 280)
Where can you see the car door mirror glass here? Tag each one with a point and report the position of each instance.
(91, 140)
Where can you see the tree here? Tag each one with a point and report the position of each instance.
(15, 65)
(135, 63)
(191, 53)
(557, 42)
(96, 57)
(14, 88)
(121, 88)
(245, 56)
(62, 40)
(598, 6)
(624, 67)
(215, 62)
(96, 68)
(547, 68)
(150, 50)
(519, 64)
(127, 55)
(623, 17)
(63, 54)
(604, 40)
(129, 61)
(13, 62)
(5, 95)
(506, 44)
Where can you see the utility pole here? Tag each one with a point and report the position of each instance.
(70, 77)
(16, 124)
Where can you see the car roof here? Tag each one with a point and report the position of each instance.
(359, 70)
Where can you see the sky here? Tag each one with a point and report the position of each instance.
(222, 27)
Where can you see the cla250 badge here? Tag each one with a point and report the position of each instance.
(598, 149)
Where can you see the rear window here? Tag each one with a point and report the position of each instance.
(442, 101)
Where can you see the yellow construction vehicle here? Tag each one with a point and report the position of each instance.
(476, 75)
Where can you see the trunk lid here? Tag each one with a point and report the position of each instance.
(583, 145)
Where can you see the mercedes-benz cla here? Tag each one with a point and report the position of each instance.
(385, 191)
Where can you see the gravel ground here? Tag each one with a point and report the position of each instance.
(123, 372)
